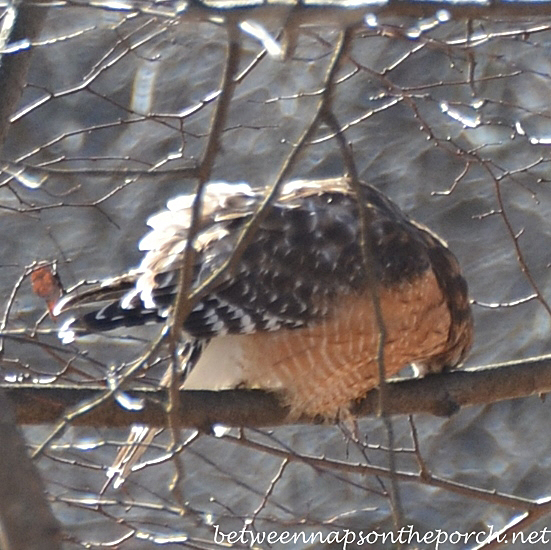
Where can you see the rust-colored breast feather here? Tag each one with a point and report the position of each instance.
(325, 366)
(297, 313)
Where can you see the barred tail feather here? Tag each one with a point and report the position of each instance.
(114, 305)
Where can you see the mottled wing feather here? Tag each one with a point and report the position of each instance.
(305, 254)
(454, 288)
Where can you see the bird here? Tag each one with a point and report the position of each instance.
(299, 312)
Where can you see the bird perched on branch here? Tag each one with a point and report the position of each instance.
(298, 312)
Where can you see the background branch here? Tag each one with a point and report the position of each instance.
(27, 24)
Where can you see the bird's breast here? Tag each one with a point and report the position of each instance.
(322, 367)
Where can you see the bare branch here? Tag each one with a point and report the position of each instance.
(437, 394)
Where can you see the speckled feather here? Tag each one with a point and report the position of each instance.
(302, 275)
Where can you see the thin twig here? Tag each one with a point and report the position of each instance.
(366, 218)
(325, 463)
(250, 227)
(105, 396)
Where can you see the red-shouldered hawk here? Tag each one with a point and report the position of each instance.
(296, 314)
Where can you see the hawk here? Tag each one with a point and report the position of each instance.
(297, 312)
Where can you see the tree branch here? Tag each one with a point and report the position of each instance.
(338, 13)
(26, 521)
(437, 394)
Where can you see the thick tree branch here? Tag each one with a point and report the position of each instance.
(338, 13)
(438, 394)
(26, 521)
